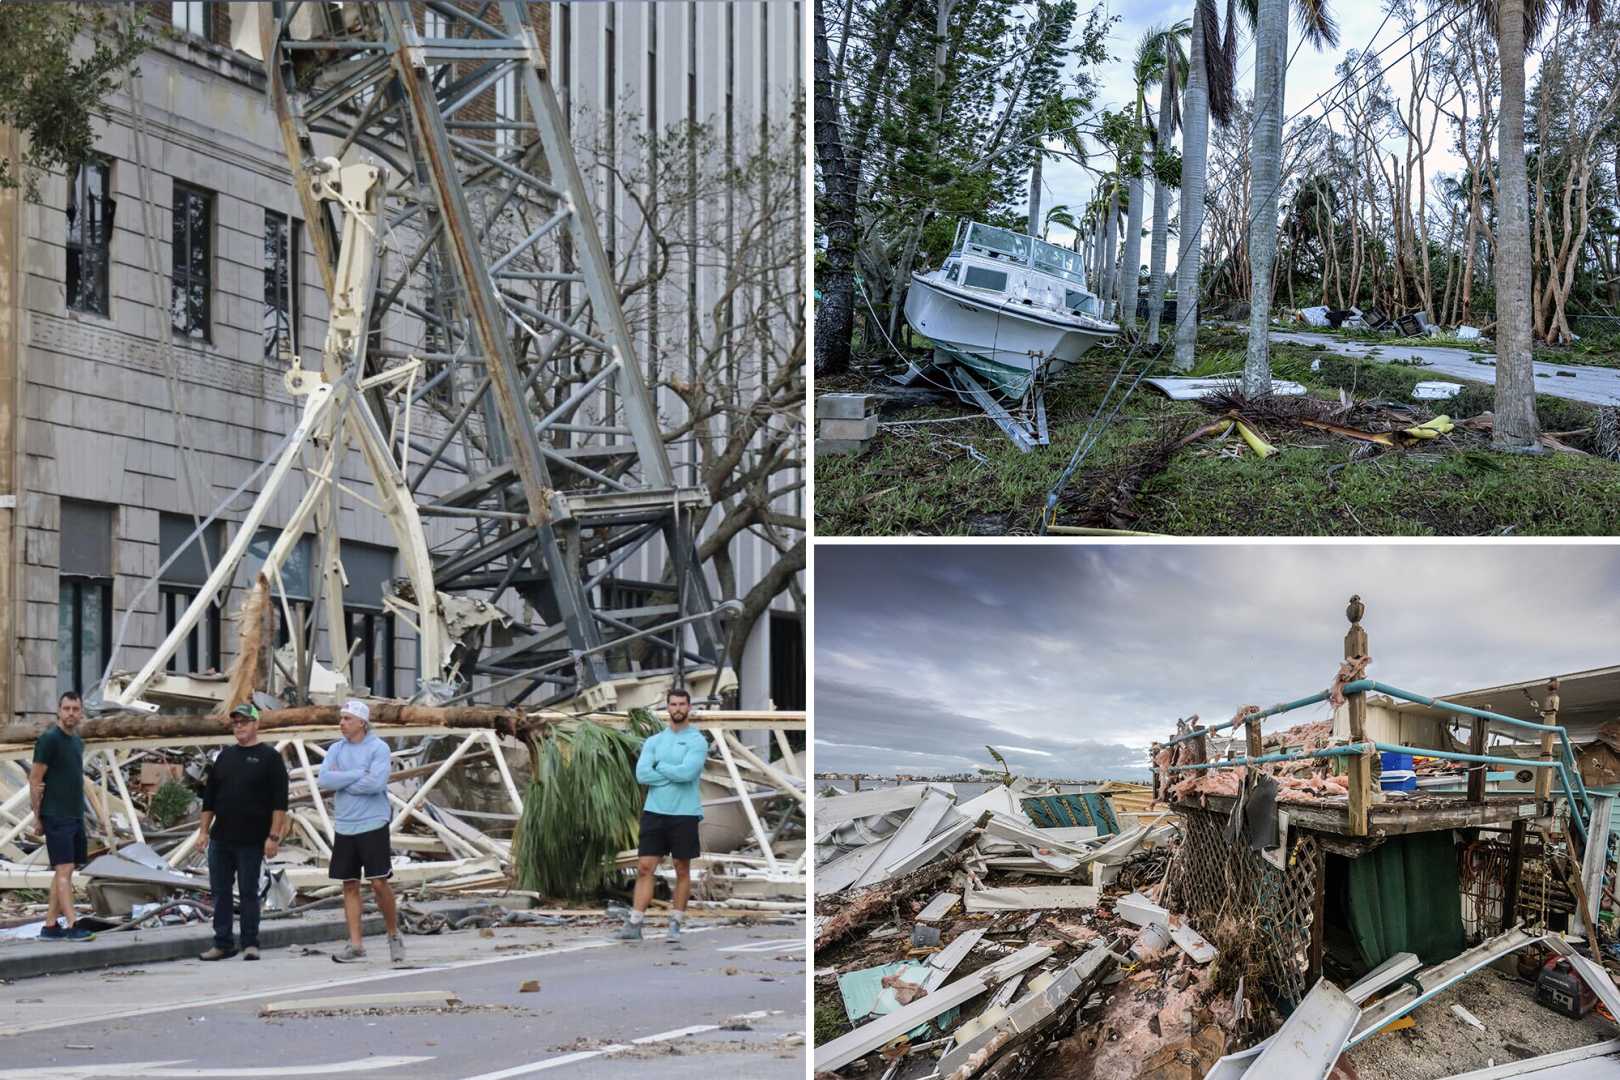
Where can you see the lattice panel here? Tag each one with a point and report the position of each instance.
(1209, 877)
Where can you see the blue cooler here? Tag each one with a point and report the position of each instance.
(1397, 773)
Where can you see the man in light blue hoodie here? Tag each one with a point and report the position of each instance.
(356, 772)
(670, 764)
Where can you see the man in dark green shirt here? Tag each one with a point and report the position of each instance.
(56, 784)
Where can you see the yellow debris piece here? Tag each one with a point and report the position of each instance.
(1430, 429)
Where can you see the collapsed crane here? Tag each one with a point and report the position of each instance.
(479, 236)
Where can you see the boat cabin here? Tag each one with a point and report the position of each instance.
(1000, 261)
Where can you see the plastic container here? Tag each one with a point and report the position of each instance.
(1397, 773)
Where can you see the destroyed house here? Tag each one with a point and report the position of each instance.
(160, 291)
(1408, 824)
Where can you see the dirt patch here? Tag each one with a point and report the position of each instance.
(449, 1010)
(1440, 1044)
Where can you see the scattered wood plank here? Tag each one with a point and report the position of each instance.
(938, 907)
(879, 1033)
(1027, 897)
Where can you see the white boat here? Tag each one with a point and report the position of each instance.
(1011, 307)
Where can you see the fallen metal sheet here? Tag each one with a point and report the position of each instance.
(911, 835)
(1433, 980)
(869, 1037)
(944, 840)
(1595, 859)
(1028, 897)
(1595, 976)
(1308, 1044)
(1003, 827)
(1070, 834)
(1033, 864)
(839, 809)
(1000, 800)
(118, 868)
(1390, 971)
(1193, 944)
(865, 995)
(1191, 389)
(840, 873)
(1600, 1061)
(942, 963)
(1030, 1012)
(1138, 909)
(938, 907)
(1436, 390)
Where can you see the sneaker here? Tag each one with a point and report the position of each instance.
(78, 933)
(53, 932)
(396, 949)
(672, 932)
(630, 931)
(349, 955)
(250, 952)
(217, 953)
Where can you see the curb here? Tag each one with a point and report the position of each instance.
(27, 960)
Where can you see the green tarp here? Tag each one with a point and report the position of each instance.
(1405, 897)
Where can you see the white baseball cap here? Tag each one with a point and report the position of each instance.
(359, 710)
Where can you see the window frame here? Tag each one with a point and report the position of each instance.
(182, 12)
(360, 628)
(291, 249)
(204, 644)
(190, 273)
(970, 269)
(78, 583)
(75, 250)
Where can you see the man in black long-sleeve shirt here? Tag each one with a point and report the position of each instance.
(243, 817)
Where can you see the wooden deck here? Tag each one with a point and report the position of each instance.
(1395, 813)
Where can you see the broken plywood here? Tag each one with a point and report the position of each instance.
(1026, 897)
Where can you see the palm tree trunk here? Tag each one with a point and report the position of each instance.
(1035, 194)
(1161, 216)
(1265, 171)
(1194, 151)
(1110, 276)
(1130, 267)
(1516, 427)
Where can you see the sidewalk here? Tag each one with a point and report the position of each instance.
(1574, 382)
(26, 959)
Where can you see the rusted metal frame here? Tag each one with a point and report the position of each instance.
(517, 301)
(465, 562)
(584, 470)
(545, 229)
(652, 631)
(626, 544)
(367, 77)
(321, 226)
(473, 148)
(456, 425)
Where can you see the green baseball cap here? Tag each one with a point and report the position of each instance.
(245, 711)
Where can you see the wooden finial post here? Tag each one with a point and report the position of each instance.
(1361, 772)
(1544, 776)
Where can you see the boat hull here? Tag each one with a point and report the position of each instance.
(1008, 347)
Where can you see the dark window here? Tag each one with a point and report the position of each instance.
(281, 259)
(89, 235)
(193, 257)
(179, 587)
(979, 278)
(194, 17)
(84, 596)
(952, 271)
(296, 578)
(787, 660)
(370, 628)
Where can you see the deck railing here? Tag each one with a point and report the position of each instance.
(1360, 748)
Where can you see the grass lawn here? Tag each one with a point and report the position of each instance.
(920, 477)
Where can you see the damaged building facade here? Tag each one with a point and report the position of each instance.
(154, 296)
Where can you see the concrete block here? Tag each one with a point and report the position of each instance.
(847, 429)
(839, 446)
(842, 406)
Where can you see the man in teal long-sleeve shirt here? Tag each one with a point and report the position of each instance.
(670, 764)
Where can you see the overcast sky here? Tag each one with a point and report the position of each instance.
(1071, 659)
(1310, 73)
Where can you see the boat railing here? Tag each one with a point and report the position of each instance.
(1004, 245)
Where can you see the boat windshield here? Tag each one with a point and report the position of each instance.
(1037, 254)
(1083, 302)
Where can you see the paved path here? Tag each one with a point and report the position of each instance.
(1593, 385)
(603, 1010)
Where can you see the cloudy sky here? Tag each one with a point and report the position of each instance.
(1362, 27)
(1071, 659)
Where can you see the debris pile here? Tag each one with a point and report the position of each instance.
(450, 836)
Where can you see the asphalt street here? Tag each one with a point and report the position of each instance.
(730, 1000)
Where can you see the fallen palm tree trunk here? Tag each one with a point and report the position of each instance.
(383, 714)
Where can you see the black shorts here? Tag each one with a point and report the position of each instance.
(65, 841)
(669, 834)
(357, 852)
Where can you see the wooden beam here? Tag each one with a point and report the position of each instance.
(1476, 773)
(1361, 775)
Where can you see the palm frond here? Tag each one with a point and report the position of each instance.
(1317, 23)
(582, 808)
